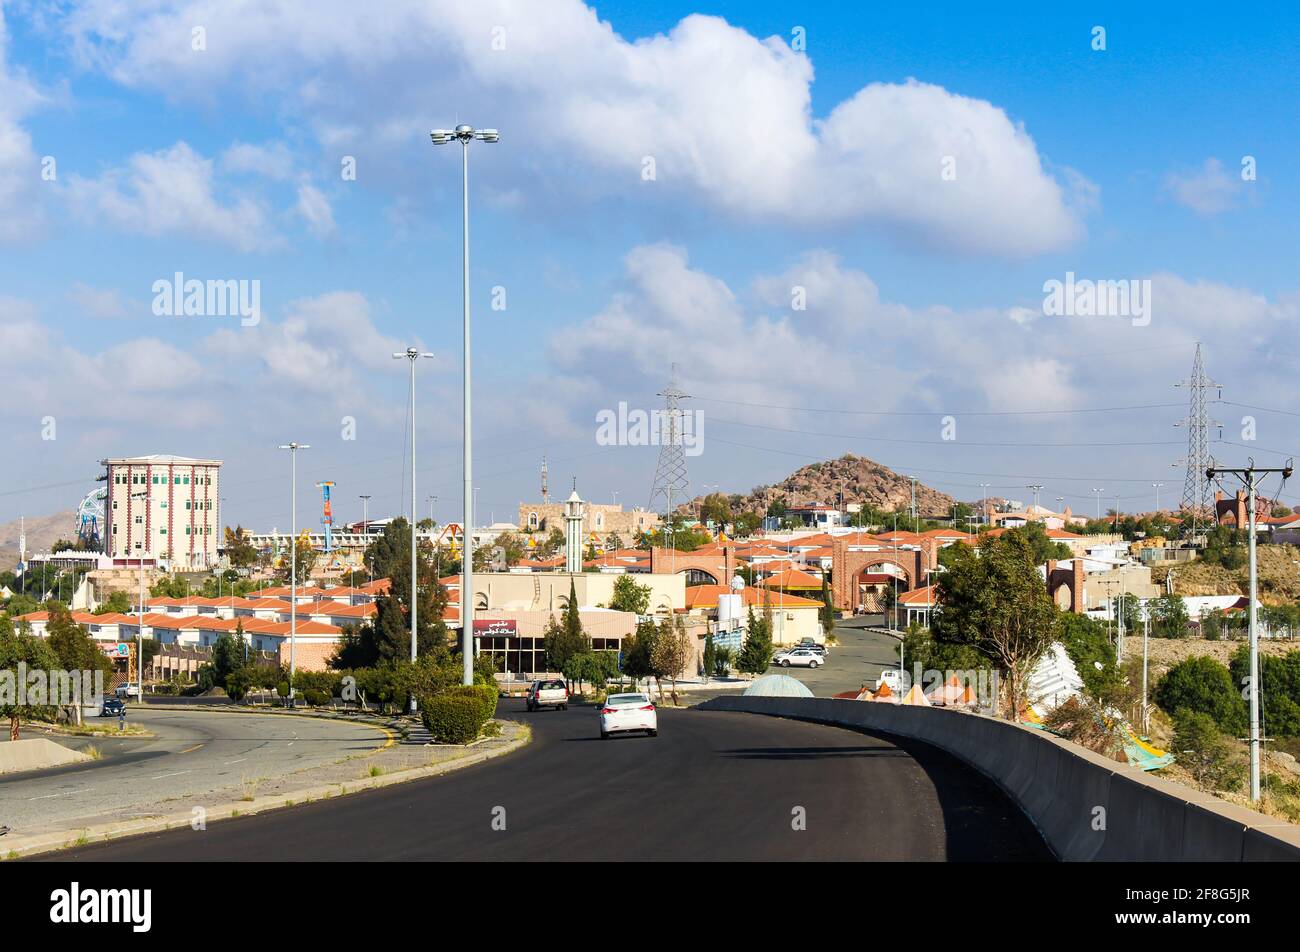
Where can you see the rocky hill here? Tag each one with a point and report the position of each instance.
(42, 532)
(862, 480)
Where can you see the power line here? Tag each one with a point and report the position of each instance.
(888, 439)
(929, 413)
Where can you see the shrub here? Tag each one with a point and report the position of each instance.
(1206, 751)
(453, 718)
(1204, 686)
(282, 689)
(238, 682)
(316, 697)
(486, 695)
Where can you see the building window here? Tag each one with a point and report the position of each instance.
(187, 480)
(187, 504)
(162, 531)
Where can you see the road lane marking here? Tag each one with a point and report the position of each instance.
(189, 749)
(239, 761)
(166, 775)
(66, 793)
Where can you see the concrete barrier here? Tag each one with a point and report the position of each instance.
(36, 753)
(1085, 806)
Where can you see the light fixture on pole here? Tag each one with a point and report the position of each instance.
(293, 449)
(1156, 487)
(1097, 493)
(413, 355)
(365, 529)
(464, 135)
(984, 502)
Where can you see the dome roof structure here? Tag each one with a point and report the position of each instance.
(777, 685)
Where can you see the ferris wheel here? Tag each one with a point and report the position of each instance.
(90, 517)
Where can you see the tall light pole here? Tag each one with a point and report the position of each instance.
(464, 135)
(147, 496)
(1156, 487)
(1097, 492)
(431, 500)
(413, 355)
(365, 531)
(1250, 476)
(984, 501)
(293, 449)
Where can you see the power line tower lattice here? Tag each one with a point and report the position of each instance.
(1197, 498)
(670, 481)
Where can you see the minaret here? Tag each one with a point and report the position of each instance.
(546, 493)
(573, 509)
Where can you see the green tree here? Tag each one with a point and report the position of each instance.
(716, 509)
(1279, 695)
(1168, 616)
(239, 548)
(998, 604)
(306, 558)
(22, 648)
(388, 636)
(710, 659)
(116, 603)
(638, 650)
(827, 611)
(565, 638)
(756, 651)
(72, 646)
(1088, 645)
(1204, 686)
(1206, 752)
(674, 651)
(630, 596)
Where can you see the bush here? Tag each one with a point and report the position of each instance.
(453, 718)
(485, 694)
(1204, 686)
(282, 689)
(238, 683)
(1206, 751)
(316, 697)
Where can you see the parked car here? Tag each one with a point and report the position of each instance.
(553, 693)
(814, 647)
(622, 713)
(798, 658)
(129, 689)
(113, 707)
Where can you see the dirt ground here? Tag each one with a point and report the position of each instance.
(1164, 653)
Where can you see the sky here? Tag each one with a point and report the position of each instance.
(841, 225)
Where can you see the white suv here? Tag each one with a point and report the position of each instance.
(798, 658)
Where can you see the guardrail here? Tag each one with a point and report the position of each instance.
(1086, 806)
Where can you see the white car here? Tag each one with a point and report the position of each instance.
(130, 689)
(622, 713)
(798, 658)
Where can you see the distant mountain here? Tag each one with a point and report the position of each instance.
(862, 480)
(42, 533)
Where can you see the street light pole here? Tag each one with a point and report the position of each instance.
(293, 449)
(1097, 492)
(464, 134)
(147, 496)
(413, 355)
(365, 529)
(1250, 475)
(1156, 487)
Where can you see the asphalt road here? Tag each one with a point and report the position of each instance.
(856, 660)
(711, 786)
(193, 752)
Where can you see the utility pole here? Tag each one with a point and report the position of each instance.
(1251, 476)
(1156, 487)
(1035, 489)
(412, 355)
(293, 449)
(365, 531)
(1196, 488)
(1146, 710)
(1097, 492)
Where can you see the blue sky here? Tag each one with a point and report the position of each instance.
(775, 168)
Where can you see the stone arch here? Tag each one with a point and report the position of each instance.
(1065, 585)
(698, 576)
(848, 565)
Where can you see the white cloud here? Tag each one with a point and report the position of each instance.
(315, 210)
(1207, 191)
(272, 160)
(172, 192)
(21, 201)
(99, 303)
(726, 116)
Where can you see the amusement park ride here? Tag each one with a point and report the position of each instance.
(90, 519)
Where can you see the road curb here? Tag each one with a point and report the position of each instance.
(23, 846)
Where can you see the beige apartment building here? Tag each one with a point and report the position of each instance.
(165, 510)
(597, 518)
